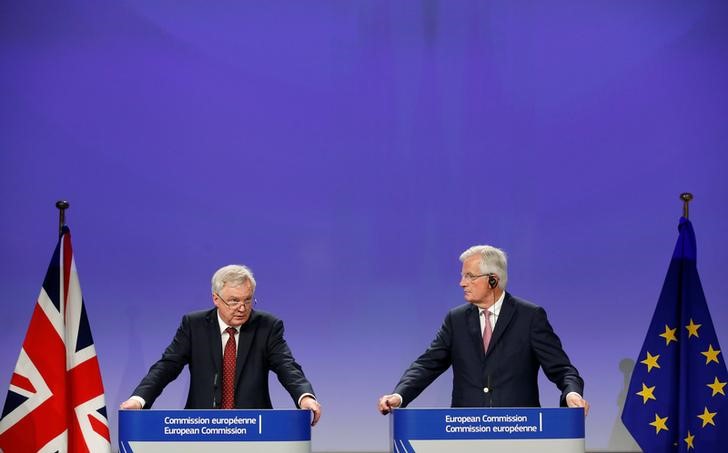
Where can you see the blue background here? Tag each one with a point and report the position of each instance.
(349, 151)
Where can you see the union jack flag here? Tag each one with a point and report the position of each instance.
(56, 397)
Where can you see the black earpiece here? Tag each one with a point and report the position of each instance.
(492, 281)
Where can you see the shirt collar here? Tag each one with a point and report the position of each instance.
(496, 307)
(222, 325)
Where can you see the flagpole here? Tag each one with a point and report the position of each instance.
(686, 197)
(62, 205)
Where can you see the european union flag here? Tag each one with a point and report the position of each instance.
(677, 395)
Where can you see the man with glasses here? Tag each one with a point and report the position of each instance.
(495, 343)
(230, 350)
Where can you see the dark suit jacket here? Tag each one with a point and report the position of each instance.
(261, 348)
(522, 341)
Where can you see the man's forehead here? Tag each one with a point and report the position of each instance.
(234, 288)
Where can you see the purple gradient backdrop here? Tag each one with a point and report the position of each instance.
(348, 152)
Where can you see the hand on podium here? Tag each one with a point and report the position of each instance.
(389, 402)
(131, 403)
(311, 404)
(573, 399)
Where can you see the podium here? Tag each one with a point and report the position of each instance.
(509, 430)
(187, 431)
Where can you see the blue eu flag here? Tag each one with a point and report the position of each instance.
(677, 395)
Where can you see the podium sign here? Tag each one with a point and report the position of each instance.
(510, 430)
(184, 431)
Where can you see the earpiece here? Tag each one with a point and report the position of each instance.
(492, 281)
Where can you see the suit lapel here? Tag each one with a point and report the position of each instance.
(504, 318)
(245, 342)
(473, 322)
(215, 340)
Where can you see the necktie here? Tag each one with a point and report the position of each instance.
(228, 370)
(487, 331)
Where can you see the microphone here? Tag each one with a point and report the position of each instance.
(490, 393)
(494, 372)
(214, 391)
(492, 283)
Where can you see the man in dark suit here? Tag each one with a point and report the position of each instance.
(496, 344)
(230, 351)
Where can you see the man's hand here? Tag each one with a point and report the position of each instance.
(131, 403)
(389, 402)
(573, 399)
(311, 404)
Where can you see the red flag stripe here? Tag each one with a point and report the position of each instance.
(22, 382)
(99, 427)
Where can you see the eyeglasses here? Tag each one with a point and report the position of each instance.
(472, 277)
(234, 304)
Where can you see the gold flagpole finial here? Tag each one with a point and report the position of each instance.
(686, 198)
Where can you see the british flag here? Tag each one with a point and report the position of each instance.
(56, 398)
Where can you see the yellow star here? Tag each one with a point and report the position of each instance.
(651, 361)
(692, 328)
(646, 393)
(711, 355)
(707, 417)
(689, 440)
(659, 423)
(716, 386)
(669, 335)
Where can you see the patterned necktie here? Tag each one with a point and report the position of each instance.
(487, 331)
(228, 370)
